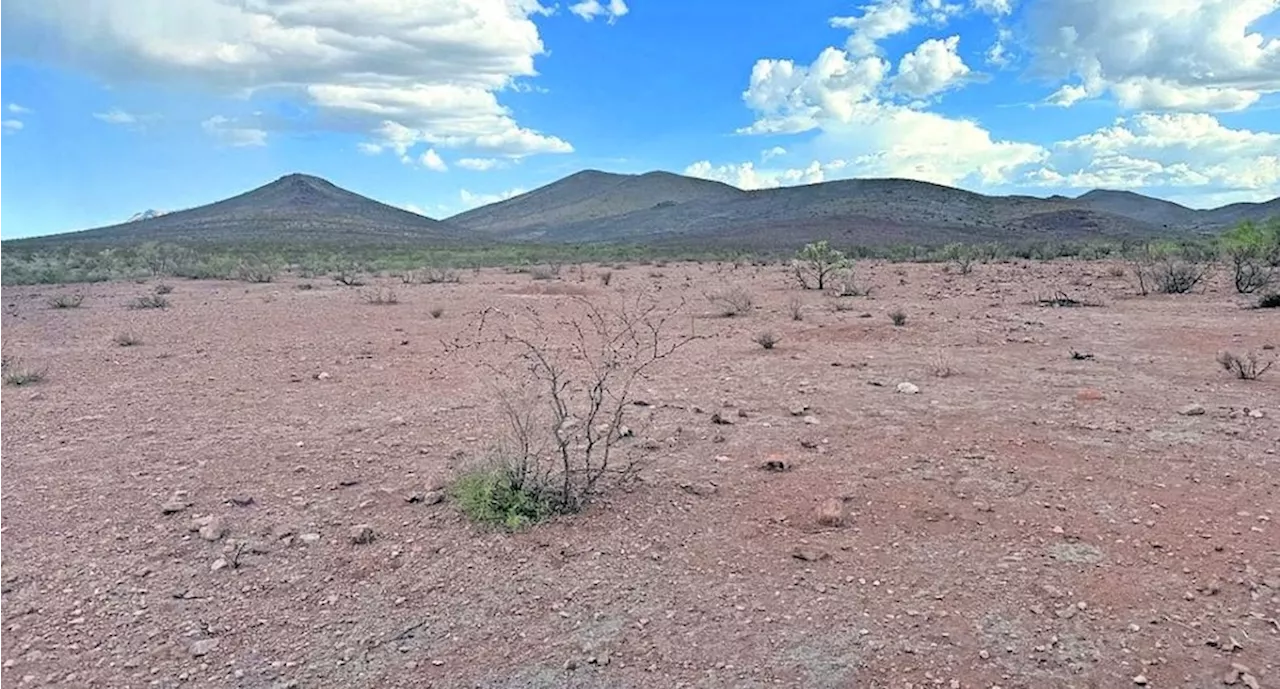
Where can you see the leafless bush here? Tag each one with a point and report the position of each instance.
(796, 307)
(606, 277)
(566, 413)
(1179, 276)
(66, 301)
(348, 277)
(149, 301)
(1250, 273)
(547, 272)
(436, 312)
(766, 339)
(1246, 367)
(17, 375)
(254, 271)
(843, 284)
(163, 288)
(380, 296)
(940, 366)
(126, 339)
(898, 317)
(732, 302)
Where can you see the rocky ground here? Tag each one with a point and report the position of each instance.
(250, 496)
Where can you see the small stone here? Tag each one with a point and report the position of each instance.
(323, 375)
(218, 565)
(702, 488)
(809, 555)
(1089, 395)
(799, 410)
(1256, 414)
(241, 500)
(214, 530)
(831, 512)
(776, 464)
(908, 388)
(1141, 680)
(309, 538)
(719, 420)
(626, 432)
(983, 654)
(570, 665)
(174, 506)
(1192, 410)
(362, 534)
(811, 420)
(203, 647)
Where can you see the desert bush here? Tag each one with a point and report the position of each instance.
(149, 301)
(766, 339)
(732, 302)
(497, 495)
(816, 263)
(1269, 301)
(961, 257)
(1253, 251)
(434, 275)
(436, 312)
(66, 301)
(304, 286)
(163, 288)
(1179, 276)
(126, 339)
(348, 277)
(547, 272)
(843, 284)
(1249, 273)
(606, 277)
(1247, 367)
(796, 308)
(940, 366)
(898, 317)
(566, 404)
(380, 296)
(17, 375)
(1169, 269)
(254, 271)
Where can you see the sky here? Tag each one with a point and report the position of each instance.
(111, 107)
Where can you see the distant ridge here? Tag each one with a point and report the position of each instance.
(661, 208)
(293, 208)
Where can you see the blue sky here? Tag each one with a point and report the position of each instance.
(117, 106)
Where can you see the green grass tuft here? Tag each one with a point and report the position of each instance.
(493, 496)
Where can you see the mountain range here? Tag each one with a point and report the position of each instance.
(661, 208)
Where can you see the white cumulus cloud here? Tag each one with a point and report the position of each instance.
(747, 176)
(475, 200)
(432, 161)
(934, 66)
(434, 67)
(18, 109)
(590, 9)
(1157, 54)
(480, 164)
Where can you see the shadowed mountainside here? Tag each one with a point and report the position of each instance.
(665, 209)
(294, 208)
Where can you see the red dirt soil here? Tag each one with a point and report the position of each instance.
(1030, 520)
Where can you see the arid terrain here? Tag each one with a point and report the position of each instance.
(189, 510)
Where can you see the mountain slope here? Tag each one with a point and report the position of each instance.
(294, 208)
(588, 196)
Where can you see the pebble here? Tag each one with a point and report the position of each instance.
(908, 388)
(1141, 680)
(214, 530)
(309, 538)
(174, 506)
(811, 420)
(831, 512)
(1192, 410)
(202, 647)
(362, 534)
(218, 565)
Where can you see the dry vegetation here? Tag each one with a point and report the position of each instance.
(604, 483)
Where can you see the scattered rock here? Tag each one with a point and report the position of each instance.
(214, 530)
(431, 497)
(720, 420)
(362, 534)
(1192, 410)
(1141, 680)
(1240, 674)
(811, 420)
(218, 565)
(625, 432)
(1089, 395)
(203, 647)
(831, 512)
(323, 375)
(309, 538)
(799, 409)
(908, 388)
(810, 555)
(702, 488)
(240, 500)
(776, 464)
(174, 506)
(1256, 413)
